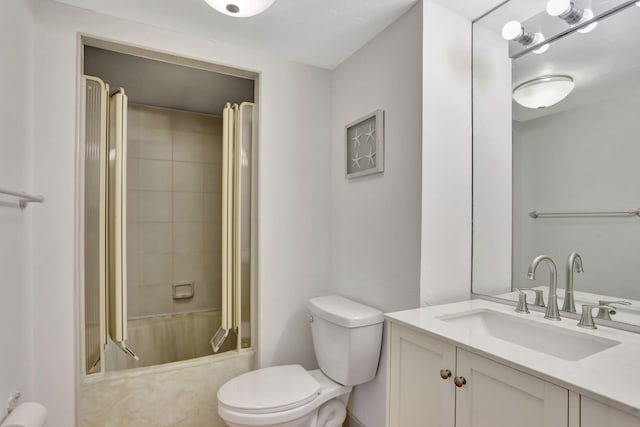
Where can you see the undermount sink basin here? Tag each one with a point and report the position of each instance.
(549, 339)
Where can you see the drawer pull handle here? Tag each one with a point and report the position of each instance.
(445, 374)
(459, 381)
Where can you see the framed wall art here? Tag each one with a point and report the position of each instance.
(364, 145)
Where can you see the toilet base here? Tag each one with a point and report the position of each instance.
(327, 410)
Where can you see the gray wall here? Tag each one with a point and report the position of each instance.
(375, 220)
(16, 122)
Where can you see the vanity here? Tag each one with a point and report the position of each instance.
(478, 363)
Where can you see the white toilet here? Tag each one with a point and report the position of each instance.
(346, 338)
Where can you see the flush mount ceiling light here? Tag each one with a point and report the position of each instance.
(240, 8)
(571, 14)
(543, 92)
(515, 31)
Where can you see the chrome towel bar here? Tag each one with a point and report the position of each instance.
(536, 214)
(24, 197)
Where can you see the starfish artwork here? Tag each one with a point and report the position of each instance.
(356, 139)
(370, 156)
(356, 160)
(370, 134)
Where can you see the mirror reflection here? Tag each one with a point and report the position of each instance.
(556, 145)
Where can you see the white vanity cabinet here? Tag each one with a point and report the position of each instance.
(422, 394)
(596, 414)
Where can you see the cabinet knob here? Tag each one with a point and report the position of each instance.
(445, 374)
(459, 381)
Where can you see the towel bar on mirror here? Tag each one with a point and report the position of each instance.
(536, 214)
(24, 197)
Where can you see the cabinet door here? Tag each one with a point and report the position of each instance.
(418, 396)
(498, 396)
(596, 414)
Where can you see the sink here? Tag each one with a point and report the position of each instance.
(552, 340)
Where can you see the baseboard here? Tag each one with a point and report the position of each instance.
(351, 421)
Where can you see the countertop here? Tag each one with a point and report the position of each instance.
(611, 376)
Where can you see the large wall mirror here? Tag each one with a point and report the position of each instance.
(556, 151)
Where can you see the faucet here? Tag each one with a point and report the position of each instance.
(573, 263)
(552, 312)
(605, 312)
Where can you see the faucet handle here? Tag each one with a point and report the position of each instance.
(522, 306)
(586, 320)
(539, 295)
(605, 313)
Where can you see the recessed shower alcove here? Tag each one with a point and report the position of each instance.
(169, 150)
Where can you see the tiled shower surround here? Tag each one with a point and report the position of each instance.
(174, 209)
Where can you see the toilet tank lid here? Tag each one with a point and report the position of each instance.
(344, 312)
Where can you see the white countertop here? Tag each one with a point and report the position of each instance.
(611, 376)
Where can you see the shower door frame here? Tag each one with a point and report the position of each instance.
(83, 40)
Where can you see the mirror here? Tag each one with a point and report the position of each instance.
(560, 178)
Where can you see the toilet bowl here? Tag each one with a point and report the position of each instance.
(347, 337)
(283, 396)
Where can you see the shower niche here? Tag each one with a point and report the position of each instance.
(169, 152)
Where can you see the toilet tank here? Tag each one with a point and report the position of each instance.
(347, 337)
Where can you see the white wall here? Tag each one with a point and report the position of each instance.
(584, 159)
(491, 162)
(445, 272)
(294, 164)
(375, 220)
(16, 120)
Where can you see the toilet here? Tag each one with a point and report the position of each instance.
(346, 338)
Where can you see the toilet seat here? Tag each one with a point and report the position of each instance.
(234, 401)
(269, 390)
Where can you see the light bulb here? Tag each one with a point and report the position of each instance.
(240, 8)
(558, 7)
(588, 14)
(537, 39)
(512, 30)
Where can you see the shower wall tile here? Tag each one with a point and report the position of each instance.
(188, 268)
(133, 172)
(174, 200)
(155, 206)
(187, 176)
(133, 206)
(155, 268)
(187, 207)
(212, 178)
(156, 149)
(157, 299)
(187, 146)
(188, 237)
(212, 211)
(156, 237)
(155, 175)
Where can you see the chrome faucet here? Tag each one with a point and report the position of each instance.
(574, 262)
(605, 311)
(552, 312)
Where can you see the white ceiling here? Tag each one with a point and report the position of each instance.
(322, 33)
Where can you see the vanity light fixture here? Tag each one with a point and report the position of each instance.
(571, 14)
(240, 8)
(544, 91)
(515, 31)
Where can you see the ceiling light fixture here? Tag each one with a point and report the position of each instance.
(571, 14)
(515, 31)
(544, 91)
(240, 8)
